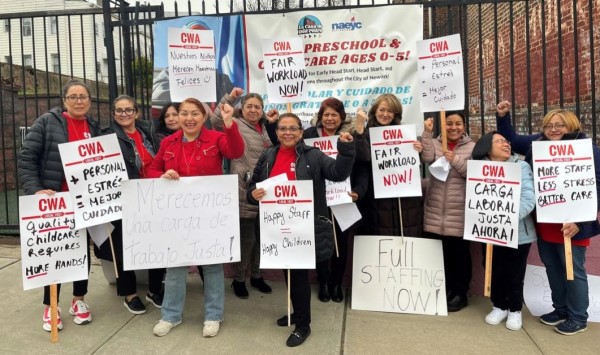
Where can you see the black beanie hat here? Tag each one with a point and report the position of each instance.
(483, 146)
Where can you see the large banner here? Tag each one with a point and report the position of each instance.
(191, 221)
(398, 274)
(395, 161)
(354, 55)
(565, 181)
(493, 196)
(52, 250)
(287, 232)
(94, 169)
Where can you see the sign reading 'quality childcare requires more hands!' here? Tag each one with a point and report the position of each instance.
(52, 250)
(441, 74)
(336, 192)
(190, 221)
(285, 71)
(398, 274)
(192, 70)
(395, 161)
(94, 169)
(287, 231)
(565, 181)
(492, 202)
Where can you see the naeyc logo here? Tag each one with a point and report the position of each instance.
(310, 27)
(347, 26)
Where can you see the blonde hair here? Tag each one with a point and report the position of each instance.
(569, 118)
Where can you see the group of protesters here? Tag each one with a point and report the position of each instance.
(258, 145)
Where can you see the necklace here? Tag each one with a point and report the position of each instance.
(74, 128)
(185, 160)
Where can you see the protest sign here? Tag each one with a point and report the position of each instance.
(492, 202)
(336, 192)
(398, 274)
(52, 250)
(94, 169)
(285, 72)
(190, 221)
(395, 161)
(287, 231)
(565, 181)
(441, 74)
(191, 64)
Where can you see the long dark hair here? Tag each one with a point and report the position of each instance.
(162, 126)
(334, 104)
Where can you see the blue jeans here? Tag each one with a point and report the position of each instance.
(175, 288)
(568, 297)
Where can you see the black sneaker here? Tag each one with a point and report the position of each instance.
(298, 337)
(260, 284)
(156, 299)
(135, 306)
(239, 288)
(283, 321)
(570, 327)
(553, 318)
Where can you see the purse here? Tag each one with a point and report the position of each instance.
(323, 239)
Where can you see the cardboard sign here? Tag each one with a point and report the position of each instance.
(192, 65)
(52, 250)
(94, 169)
(287, 231)
(493, 199)
(441, 74)
(336, 192)
(565, 181)
(395, 162)
(285, 71)
(398, 274)
(190, 221)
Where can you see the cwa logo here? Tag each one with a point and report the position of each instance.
(347, 26)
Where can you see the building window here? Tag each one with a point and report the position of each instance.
(27, 24)
(55, 61)
(53, 25)
(7, 25)
(99, 30)
(27, 60)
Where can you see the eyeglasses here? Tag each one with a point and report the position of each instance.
(501, 141)
(128, 111)
(556, 126)
(292, 129)
(194, 114)
(250, 107)
(74, 98)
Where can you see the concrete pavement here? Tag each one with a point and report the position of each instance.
(249, 326)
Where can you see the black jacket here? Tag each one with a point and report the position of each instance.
(40, 165)
(311, 164)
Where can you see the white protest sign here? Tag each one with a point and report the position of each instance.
(565, 181)
(493, 196)
(398, 274)
(191, 221)
(441, 74)
(395, 161)
(94, 169)
(192, 64)
(285, 71)
(346, 215)
(336, 192)
(538, 296)
(287, 231)
(52, 250)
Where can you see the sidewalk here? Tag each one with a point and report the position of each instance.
(249, 326)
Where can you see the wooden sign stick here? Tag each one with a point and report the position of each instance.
(112, 251)
(53, 313)
(337, 252)
(487, 289)
(289, 298)
(569, 259)
(444, 133)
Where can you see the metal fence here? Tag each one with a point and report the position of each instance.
(537, 54)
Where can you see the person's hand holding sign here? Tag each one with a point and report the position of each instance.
(170, 175)
(569, 230)
(258, 194)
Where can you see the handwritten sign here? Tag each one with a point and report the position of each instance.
(492, 202)
(94, 169)
(398, 274)
(52, 250)
(284, 68)
(287, 231)
(538, 296)
(395, 161)
(441, 74)
(565, 181)
(336, 192)
(192, 221)
(192, 70)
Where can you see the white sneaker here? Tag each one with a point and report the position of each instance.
(163, 327)
(47, 326)
(496, 316)
(211, 328)
(514, 321)
(81, 311)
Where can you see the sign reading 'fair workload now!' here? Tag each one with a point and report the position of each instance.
(285, 71)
